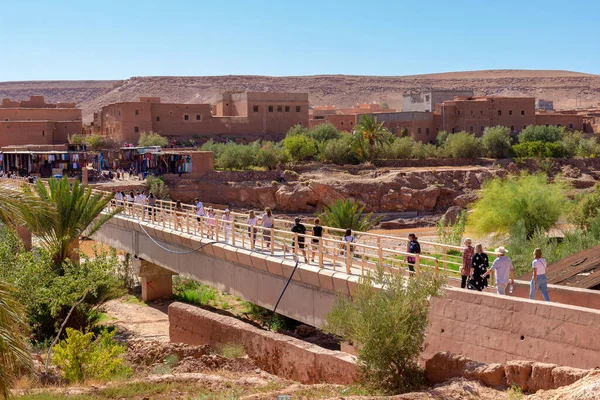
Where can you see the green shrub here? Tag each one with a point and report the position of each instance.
(541, 133)
(451, 233)
(82, 357)
(441, 138)
(152, 139)
(340, 151)
(530, 198)
(403, 147)
(269, 155)
(300, 147)
(462, 145)
(540, 149)
(422, 151)
(157, 187)
(324, 132)
(192, 292)
(496, 142)
(236, 156)
(588, 148)
(347, 214)
(585, 208)
(388, 326)
(216, 148)
(297, 130)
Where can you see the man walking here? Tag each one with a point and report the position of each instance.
(505, 272)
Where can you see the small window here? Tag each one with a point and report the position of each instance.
(279, 108)
(137, 112)
(186, 117)
(136, 129)
(351, 122)
(499, 112)
(481, 128)
(255, 108)
(107, 131)
(6, 119)
(522, 112)
(471, 112)
(509, 112)
(226, 104)
(419, 131)
(198, 117)
(342, 122)
(458, 112)
(559, 125)
(171, 113)
(157, 118)
(270, 108)
(524, 126)
(298, 108)
(287, 108)
(426, 97)
(512, 128)
(43, 133)
(481, 112)
(570, 126)
(427, 131)
(472, 128)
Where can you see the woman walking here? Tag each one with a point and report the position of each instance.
(227, 219)
(252, 221)
(317, 233)
(212, 222)
(467, 257)
(349, 239)
(413, 247)
(178, 211)
(267, 223)
(538, 280)
(479, 266)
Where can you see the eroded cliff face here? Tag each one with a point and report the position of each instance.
(380, 190)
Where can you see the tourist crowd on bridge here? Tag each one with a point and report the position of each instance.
(475, 269)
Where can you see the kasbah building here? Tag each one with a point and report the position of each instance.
(268, 115)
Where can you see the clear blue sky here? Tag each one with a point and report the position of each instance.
(106, 39)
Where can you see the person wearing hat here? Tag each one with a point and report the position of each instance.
(465, 269)
(300, 229)
(505, 272)
(227, 219)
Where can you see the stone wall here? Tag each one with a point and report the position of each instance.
(281, 355)
(496, 329)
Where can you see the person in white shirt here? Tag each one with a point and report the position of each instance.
(227, 218)
(538, 279)
(119, 198)
(267, 222)
(252, 221)
(505, 272)
(348, 238)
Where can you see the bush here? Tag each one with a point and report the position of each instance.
(451, 233)
(403, 147)
(541, 133)
(157, 187)
(81, 357)
(528, 198)
(216, 148)
(388, 326)
(347, 214)
(585, 208)
(152, 139)
(540, 149)
(441, 138)
(300, 147)
(496, 142)
(462, 145)
(297, 130)
(237, 156)
(340, 151)
(422, 151)
(324, 132)
(588, 148)
(269, 155)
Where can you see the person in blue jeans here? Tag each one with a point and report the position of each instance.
(538, 279)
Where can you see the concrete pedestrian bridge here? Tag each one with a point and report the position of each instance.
(480, 325)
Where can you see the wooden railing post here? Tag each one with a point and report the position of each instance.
(417, 263)
(445, 257)
(296, 245)
(217, 227)
(272, 233)
(320, 252)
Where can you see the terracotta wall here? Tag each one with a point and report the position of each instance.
(36, 132)
(341, 122)
(569, 121)
(496, 329)
(277, 354)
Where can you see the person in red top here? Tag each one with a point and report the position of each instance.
(467, 259)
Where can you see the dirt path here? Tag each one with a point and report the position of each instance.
(144, 321)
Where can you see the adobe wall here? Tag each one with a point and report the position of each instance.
(40, 114)
(496, 329)
(26, 132)
(569, 121)
(277, 354)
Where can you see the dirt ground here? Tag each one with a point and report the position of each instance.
(138, 319)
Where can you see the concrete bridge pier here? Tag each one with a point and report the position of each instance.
(156, 281)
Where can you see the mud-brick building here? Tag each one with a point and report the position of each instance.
(250, 115)
(34, 121)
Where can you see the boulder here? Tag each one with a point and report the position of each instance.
(443, 366)
(465, 199)
(517, 373)
(451, 215)
(489, 374)
(564, 376)
(541, 377)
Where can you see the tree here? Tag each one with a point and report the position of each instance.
(462, 145)
(324, 132)
(528, 198)
(585, 208)
(496, 141)
(300, 147)
(22, 207)
(347, 214)
(541, 133)
(152, 139)
(372, 131)
(157, 186)
(76, 212)
(386, 319)
(14, 353)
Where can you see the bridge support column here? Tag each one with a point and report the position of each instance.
(157, 282)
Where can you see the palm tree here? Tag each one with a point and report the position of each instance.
(14, 354)
(76, 212)
(371, 130)
(347, 214)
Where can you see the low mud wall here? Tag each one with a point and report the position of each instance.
(497, 329)
(283, 356)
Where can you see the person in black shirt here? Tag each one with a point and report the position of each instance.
(413, 247)
(317, 232)
(300, 230)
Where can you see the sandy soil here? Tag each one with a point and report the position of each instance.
(143, 321)
(565, 88)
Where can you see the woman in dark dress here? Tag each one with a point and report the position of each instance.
(479, 266)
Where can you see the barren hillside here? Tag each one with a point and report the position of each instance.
(567, 89)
